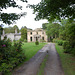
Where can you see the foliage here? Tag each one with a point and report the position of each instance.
(9, 18)
(11, 29)
(44, 25)
(51, 9)
(42, 40)
(60, 42)
(66, 47)
(67, 60)
(25, 40)
(37, 42)
(24, 33)
(53, 30)
(10, 55)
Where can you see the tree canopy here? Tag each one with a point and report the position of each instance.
(11, 29)
(9, 18)
(51, 9)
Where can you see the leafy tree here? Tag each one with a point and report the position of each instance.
(9, 18)
(1, 29)
(51, 9)
(62, 31)
(44, 25)
(53, 30)
(24, 33)
(16, 27)
(11, 29)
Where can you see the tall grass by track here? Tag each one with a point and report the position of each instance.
(67, 60)
(30, 49)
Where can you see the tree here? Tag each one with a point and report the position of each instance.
(11, 29)
(44, 26)
(16, 27)
(53, 30)
(51, 9)
(24, 33)
(1, 29)
(9, 18)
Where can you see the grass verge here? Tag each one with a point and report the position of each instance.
(30, 49)
(42, 66)
(67, 60)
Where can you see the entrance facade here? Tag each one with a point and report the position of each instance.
(36, 35)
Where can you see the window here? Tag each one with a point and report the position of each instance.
(30, 38)
(42, 38)
(31, 33)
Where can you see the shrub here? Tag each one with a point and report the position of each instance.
(37, 43)
(10, 55)
(42, 40)
(60, 42)
(73, 51)
(66, 47)
(25, 40)
(55, 40)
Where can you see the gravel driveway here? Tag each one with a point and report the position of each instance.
(53, 65)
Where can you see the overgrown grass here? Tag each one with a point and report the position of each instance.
(42, 66)
(67, 60)
(30, 49)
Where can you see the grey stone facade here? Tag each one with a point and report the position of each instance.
(11, 36)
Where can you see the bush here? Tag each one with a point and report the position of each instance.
(25, 40)
(66, 47)
(37, 43)
(42, 40)
(60, 42)
(55, 40)
(10, 55)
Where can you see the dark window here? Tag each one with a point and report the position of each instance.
(42, 38)
(31, 33)
(36, 38)
(30, 38)
(37, 32)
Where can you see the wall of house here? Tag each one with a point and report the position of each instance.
(41, 33)
(17, 37)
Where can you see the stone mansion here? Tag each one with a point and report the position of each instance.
(36, 35)
(32, 35)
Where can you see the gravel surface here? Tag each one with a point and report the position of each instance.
(32, 66)
(53, 64)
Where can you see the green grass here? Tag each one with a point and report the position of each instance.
(67, 60)
(30, 49)
(42, 66)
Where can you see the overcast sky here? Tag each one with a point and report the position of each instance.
(28, 20)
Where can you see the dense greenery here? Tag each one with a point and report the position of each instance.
(67, 60)
(53, 30)
(51, 9)
(11, 29)
(23, 33)
(9, 18)
(10, 55)
(63, 34)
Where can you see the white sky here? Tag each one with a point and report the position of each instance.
(28, 20)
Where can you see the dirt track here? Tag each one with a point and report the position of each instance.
(53, 65)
